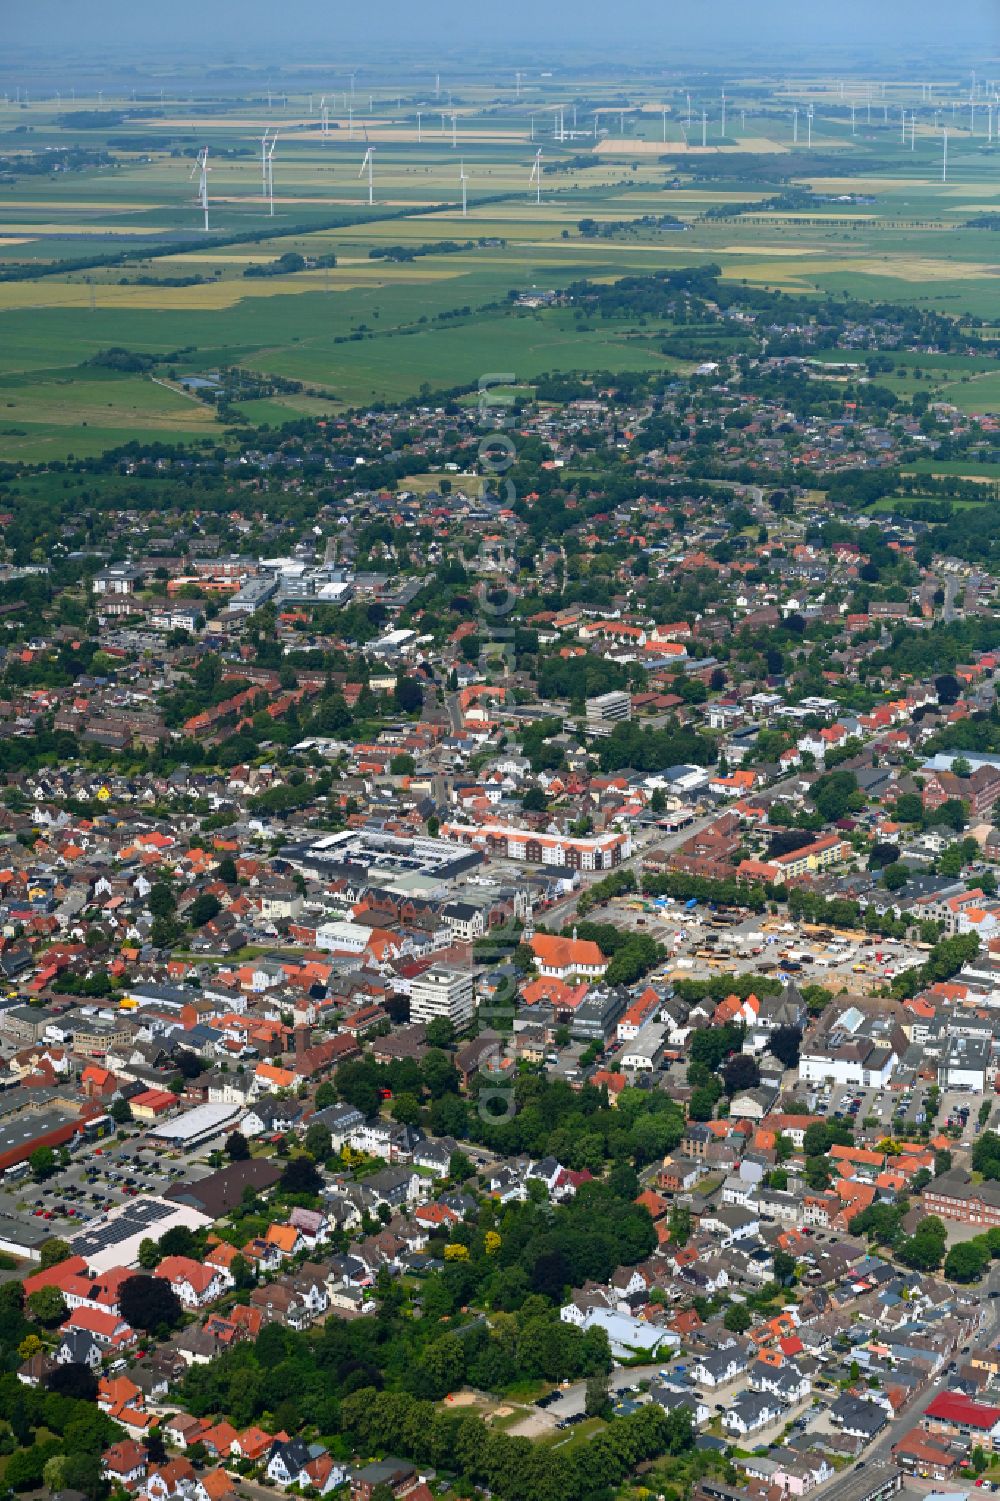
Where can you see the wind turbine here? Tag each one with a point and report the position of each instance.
(369, 164)
(263, 162)
(454, 130)
(201, 167)
(809, 123)
(269, 165)
(723, 111)
(795, 127)
(324, 116)
(536, 175)
(420, 116)
(944, 156)
(463, 179)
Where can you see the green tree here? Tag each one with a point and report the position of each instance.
(784, 1268)
(406, 1109)
(149, 1303)
(43, 1163)
(47, 1305)
(460, 1167)
(679, 1225)
(318, 1141)
(53, 1251)
(161, 900)
(737, 1318)
(966, 1261)
(299, 1175)
(440, 1032)
(237, 1147)
(597, 1398)
(832, 794)
(149, 1256)
(203, 909)
(924, 1249)
(701, 1105)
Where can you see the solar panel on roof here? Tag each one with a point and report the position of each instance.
(133, 1220)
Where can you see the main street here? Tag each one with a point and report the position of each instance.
(875, 1461)
(878, 1456)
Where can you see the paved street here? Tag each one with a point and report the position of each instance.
(878, 1456)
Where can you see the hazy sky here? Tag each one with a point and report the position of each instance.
(321, 29)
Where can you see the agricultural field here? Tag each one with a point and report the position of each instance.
(331, 300)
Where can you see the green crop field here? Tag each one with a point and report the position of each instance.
(407, 293)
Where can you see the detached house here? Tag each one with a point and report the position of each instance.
(290, 1460)
(719, 1367)
(752, 1411)
(124, 1464)
(195, 1284)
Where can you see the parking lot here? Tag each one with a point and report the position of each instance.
(99, 1177)
(702, 943)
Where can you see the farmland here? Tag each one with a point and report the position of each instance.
(342, 302)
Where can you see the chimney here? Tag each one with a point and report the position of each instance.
(303, 1037)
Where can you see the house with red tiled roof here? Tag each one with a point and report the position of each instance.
(195, 1283)
(55, 1276)
(436, 1216)
(253, 1443)
(613, 1082)
(174, 1477)
(107, 1329)
(124, 1464)
(564, 997)
(567, 958)
(118, 1391)
(654, 1203)
(219, 1439)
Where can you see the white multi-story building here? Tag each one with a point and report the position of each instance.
(442, 992)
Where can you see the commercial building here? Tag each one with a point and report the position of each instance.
(51, 1124)
(442, 992)
(596, 1017)
(597, 852)
(115, 1239)
(967, 1064)
(364, 858)
(958, 1416)
(607, 710)
(645, 1053)
(197, 1125)
(953, 1196)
